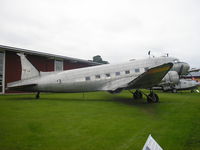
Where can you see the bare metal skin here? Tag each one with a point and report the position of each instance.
(137, 74)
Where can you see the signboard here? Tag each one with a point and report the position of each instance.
(151, 144)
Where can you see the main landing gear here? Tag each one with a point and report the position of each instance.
(151, 98)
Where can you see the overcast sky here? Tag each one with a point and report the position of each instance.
(118, 30)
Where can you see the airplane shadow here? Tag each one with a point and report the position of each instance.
(115, 99)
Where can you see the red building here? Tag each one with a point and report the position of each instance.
(10, 65)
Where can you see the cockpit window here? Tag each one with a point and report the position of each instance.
(176, 61)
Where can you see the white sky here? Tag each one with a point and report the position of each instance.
(118, 30)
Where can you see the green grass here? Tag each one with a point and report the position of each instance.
(99, 121)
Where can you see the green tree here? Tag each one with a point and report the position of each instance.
(98, 59)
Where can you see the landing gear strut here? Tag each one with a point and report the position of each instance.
(174, 90)
(37, 96)
(137, 94)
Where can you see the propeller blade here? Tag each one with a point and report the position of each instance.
(181, 70)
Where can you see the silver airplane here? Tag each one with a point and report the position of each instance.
(137, 74)
(172, 82)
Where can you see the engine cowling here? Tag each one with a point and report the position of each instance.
(171, 77)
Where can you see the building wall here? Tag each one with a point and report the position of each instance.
(67, 65)
(41, 63)
(12, 67)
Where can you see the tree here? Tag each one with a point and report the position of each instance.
(98, 59)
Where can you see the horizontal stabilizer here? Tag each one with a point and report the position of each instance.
(23, 85)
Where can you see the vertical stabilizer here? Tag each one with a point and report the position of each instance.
(28, 70)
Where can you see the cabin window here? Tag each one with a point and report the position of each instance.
(127, 72)
(137, 70)
(107, 74)
(146, 68)
(98, 76)
(87, 78)
(117, 73)
(58, 65)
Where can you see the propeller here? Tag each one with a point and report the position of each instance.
(181, 70)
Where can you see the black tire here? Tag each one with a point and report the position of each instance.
(156, 98)
(174, 91)
(149, 100)
(152, 98)
(37, 95)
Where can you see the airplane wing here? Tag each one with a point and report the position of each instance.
(21, 87)
(147, 79)
(194, 70)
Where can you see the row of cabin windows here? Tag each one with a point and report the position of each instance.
(116, 73)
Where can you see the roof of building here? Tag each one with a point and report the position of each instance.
(26, 51)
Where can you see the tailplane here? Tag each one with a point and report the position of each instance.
(28, 70)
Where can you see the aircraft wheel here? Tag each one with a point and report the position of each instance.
(37, 95)
(174, 91)
(152, 98)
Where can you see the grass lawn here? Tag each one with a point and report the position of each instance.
(100, 121)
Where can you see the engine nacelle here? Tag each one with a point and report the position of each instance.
(171, 77)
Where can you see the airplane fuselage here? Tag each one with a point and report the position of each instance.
(90, 79)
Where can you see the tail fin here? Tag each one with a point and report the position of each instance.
(28, 70)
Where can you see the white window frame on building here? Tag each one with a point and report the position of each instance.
(2, 73)
(58, 65)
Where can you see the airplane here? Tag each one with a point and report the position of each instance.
(172, 82)
(138, 74)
